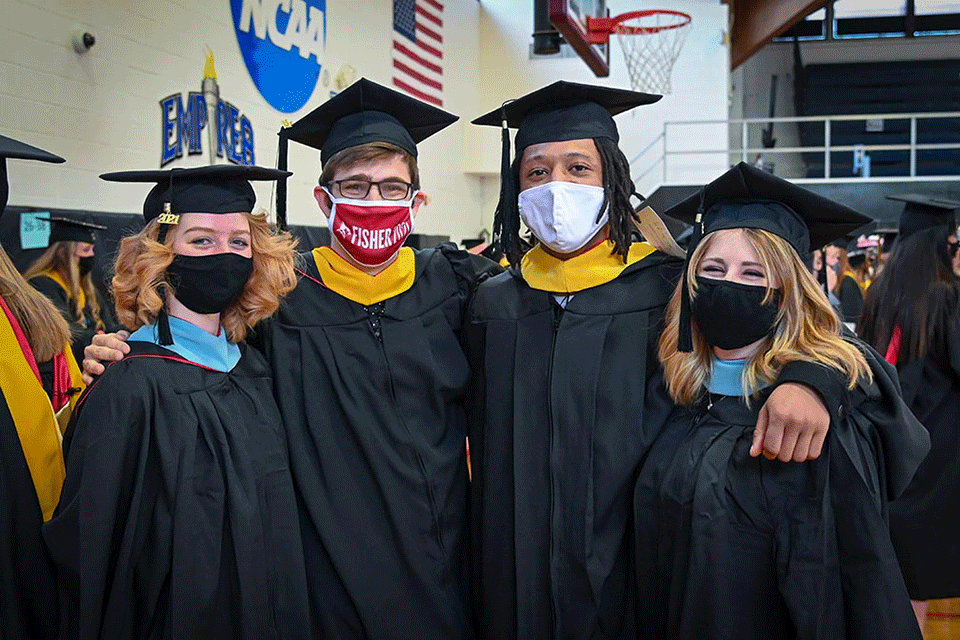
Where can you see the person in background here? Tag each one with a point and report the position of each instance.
(39, 386)
(912, 314)
(843, 287)
(730, 546)
(178, 517)
(568, 393)
(64, 273)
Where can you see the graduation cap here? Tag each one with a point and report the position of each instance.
(556, 113)
(65, 229)
(923, 212)
(220, 189)
(10, 148)
(362, 113)
(746, 197)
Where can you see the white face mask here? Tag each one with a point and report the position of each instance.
(563, 215)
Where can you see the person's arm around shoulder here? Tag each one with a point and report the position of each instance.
(794, 421)
(104, 348)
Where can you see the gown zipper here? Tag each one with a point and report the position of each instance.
(554, 492)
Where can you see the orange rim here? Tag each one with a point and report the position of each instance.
(599, 29)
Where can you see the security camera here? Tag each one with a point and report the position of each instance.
(83, 41)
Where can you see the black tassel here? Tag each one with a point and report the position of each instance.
(507, 221)
(282, 182)
(685, 331)
(163, 327)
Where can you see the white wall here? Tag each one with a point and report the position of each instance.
(100, 110)
(751, 82)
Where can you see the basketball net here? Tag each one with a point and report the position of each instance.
(651, 42)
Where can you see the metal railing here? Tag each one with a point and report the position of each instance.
(745, 152)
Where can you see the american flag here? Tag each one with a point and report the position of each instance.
(418, 49)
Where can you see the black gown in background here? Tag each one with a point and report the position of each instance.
(178, 517)
(372, 397)
(925, 521)
(565, 404)
(81, 332)
(737, 547)
(28, 593)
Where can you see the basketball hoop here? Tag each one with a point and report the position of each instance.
(651, 41)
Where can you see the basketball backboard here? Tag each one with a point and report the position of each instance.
(569, 17)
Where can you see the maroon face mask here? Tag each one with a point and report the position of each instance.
(371, 231)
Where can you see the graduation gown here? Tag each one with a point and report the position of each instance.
(82, 332)
(31, 477)
(565, 402)
(850, 297)
(178, 517)
(372, 389)
(925, 521)
(730, 546)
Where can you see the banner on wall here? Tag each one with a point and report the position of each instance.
(282, 43)
(229, 133)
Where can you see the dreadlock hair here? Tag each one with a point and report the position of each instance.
(617, 189)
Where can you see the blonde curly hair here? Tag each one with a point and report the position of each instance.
(141, 271)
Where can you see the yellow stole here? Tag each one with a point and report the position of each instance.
(352, 283)
(592, 268)
(40, 431)
(56, 277)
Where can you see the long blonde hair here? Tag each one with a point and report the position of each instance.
(59, 257)
(46, 330)
(141, 272)
(806, 327)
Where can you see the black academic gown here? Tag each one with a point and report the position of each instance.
(372, 398)
(81, 332)
(730, 546)
(28, 594)
(565, 404)
(851, 299)
(925, 521)
(178, 517)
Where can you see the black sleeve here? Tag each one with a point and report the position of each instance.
(851, 300)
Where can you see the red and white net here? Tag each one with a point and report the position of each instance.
(651, 42)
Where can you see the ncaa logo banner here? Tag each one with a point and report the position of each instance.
(282, 43)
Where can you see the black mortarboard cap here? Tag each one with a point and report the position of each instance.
(558, 112)
(565, 111)
(10, 148)
(746, 197)
(923, 212)
(222, 188)
(362, 113)
(67, 229)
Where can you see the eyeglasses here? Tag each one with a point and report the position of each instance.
(358, 189)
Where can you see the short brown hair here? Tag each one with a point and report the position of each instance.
(369, 152)
(142, 265)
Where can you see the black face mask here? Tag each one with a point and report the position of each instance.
(208, 284)
(731, 315)
(86, 265)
